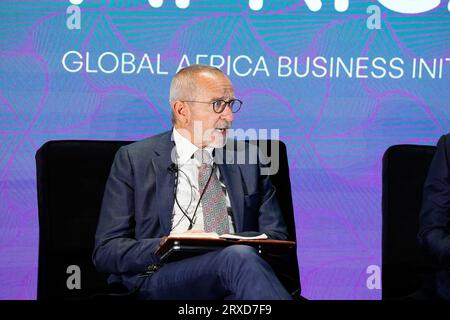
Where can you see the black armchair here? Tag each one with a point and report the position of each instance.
(71, 177)
(406, 271)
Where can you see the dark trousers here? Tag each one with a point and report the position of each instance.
(236, 272)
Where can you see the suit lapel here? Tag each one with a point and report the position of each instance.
(165, 181)
(233, 182)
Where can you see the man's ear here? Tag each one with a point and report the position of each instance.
(181, 112)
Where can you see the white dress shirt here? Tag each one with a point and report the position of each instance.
(187, 190)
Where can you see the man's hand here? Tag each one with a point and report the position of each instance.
(163, 239)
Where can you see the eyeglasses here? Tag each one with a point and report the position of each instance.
(220, 105)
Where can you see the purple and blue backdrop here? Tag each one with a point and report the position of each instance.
(341, 80)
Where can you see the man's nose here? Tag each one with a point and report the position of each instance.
(227, 114)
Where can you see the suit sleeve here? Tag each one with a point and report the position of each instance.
(116, 249)
(271, 221)
(434, 232)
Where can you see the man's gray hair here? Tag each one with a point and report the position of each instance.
(184, 83)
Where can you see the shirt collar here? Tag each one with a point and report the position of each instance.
(185, 148)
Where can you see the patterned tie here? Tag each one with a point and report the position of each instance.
(215, 215)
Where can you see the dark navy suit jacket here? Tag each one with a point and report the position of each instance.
(139, 198)
(434, 231)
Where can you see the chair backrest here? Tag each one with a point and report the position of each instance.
(71, 177)
(405, 270)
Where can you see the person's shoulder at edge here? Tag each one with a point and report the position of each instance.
(443, 144)
(446, 139)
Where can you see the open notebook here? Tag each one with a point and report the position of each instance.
(181, 246)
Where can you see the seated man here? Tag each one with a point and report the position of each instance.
(176, 182)
(434, 229)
